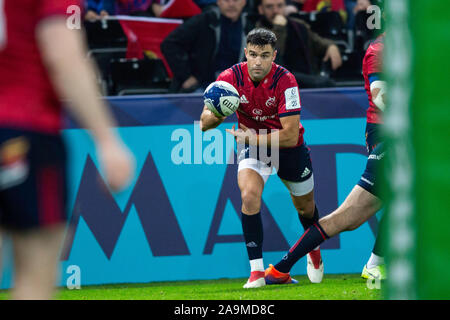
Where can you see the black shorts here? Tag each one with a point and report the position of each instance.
(370, 178)
(294, 164)
(373, 136)
(33, 183)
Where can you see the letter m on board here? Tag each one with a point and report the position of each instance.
(105, 219)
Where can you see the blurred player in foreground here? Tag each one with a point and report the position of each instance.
(41, 60)
(376, 89)
(270, 101)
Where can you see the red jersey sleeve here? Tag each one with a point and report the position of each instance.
(288, 96)
(47, 8)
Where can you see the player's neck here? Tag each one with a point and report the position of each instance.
(256, 82)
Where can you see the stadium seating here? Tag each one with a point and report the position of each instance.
(109, 46)
(326, 24)
(363, 35)
(105, 34)
(138, 76)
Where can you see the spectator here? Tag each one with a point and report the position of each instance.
(318, 5)
(180, 9)
(299, 49)
(205, 4)
(205, 45)
(361, 5)
(96, 9)
(139, 7)
(349, 6)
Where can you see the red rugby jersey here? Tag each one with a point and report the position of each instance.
(275, 96)
(372, 67)
(27, 98)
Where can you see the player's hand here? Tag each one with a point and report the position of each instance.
(244, 135)
(189, 82)
(118, 163)
(212, 114)
(209, 120)
(104, 14)
(334, 54)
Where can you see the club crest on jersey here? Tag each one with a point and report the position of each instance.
(14, 167)
(243, 99)
(270, 102)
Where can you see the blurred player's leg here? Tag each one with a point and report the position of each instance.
(36, 257)
(361, 204)
(375, 267)
(357, 208)
(251, 185)
(33, 201)
(1, 255)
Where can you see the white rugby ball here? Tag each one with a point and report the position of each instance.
(221, 98)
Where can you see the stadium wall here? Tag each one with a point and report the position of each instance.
(175, 219)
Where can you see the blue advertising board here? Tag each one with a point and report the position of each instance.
(181, 211)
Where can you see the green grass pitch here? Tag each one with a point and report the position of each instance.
(333, 287)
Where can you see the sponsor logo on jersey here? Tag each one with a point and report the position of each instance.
(376, 157)
(264, 118)
(244, 99)
(258, 112)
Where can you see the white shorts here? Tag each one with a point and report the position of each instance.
(295, 188)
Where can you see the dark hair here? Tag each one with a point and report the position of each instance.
(261, 37)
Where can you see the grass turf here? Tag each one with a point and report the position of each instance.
(333, 287)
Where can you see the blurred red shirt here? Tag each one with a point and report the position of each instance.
(27, 98)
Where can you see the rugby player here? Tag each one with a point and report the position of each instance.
(376, 89)
(41, 62)
(269, 115)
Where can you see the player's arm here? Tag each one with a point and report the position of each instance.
(288, 135)
(285, 137)
(64, 54)
(378, 92)
(209, 120)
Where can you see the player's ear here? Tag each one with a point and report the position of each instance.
(274, 55)
(245, 52)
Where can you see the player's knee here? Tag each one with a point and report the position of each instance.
(251, 199)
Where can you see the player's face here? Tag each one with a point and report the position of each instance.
(259, 60)
(231, 8)
(271, 8)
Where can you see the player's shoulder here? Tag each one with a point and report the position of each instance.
(234, 74)
(376, 46)
(282, 78)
